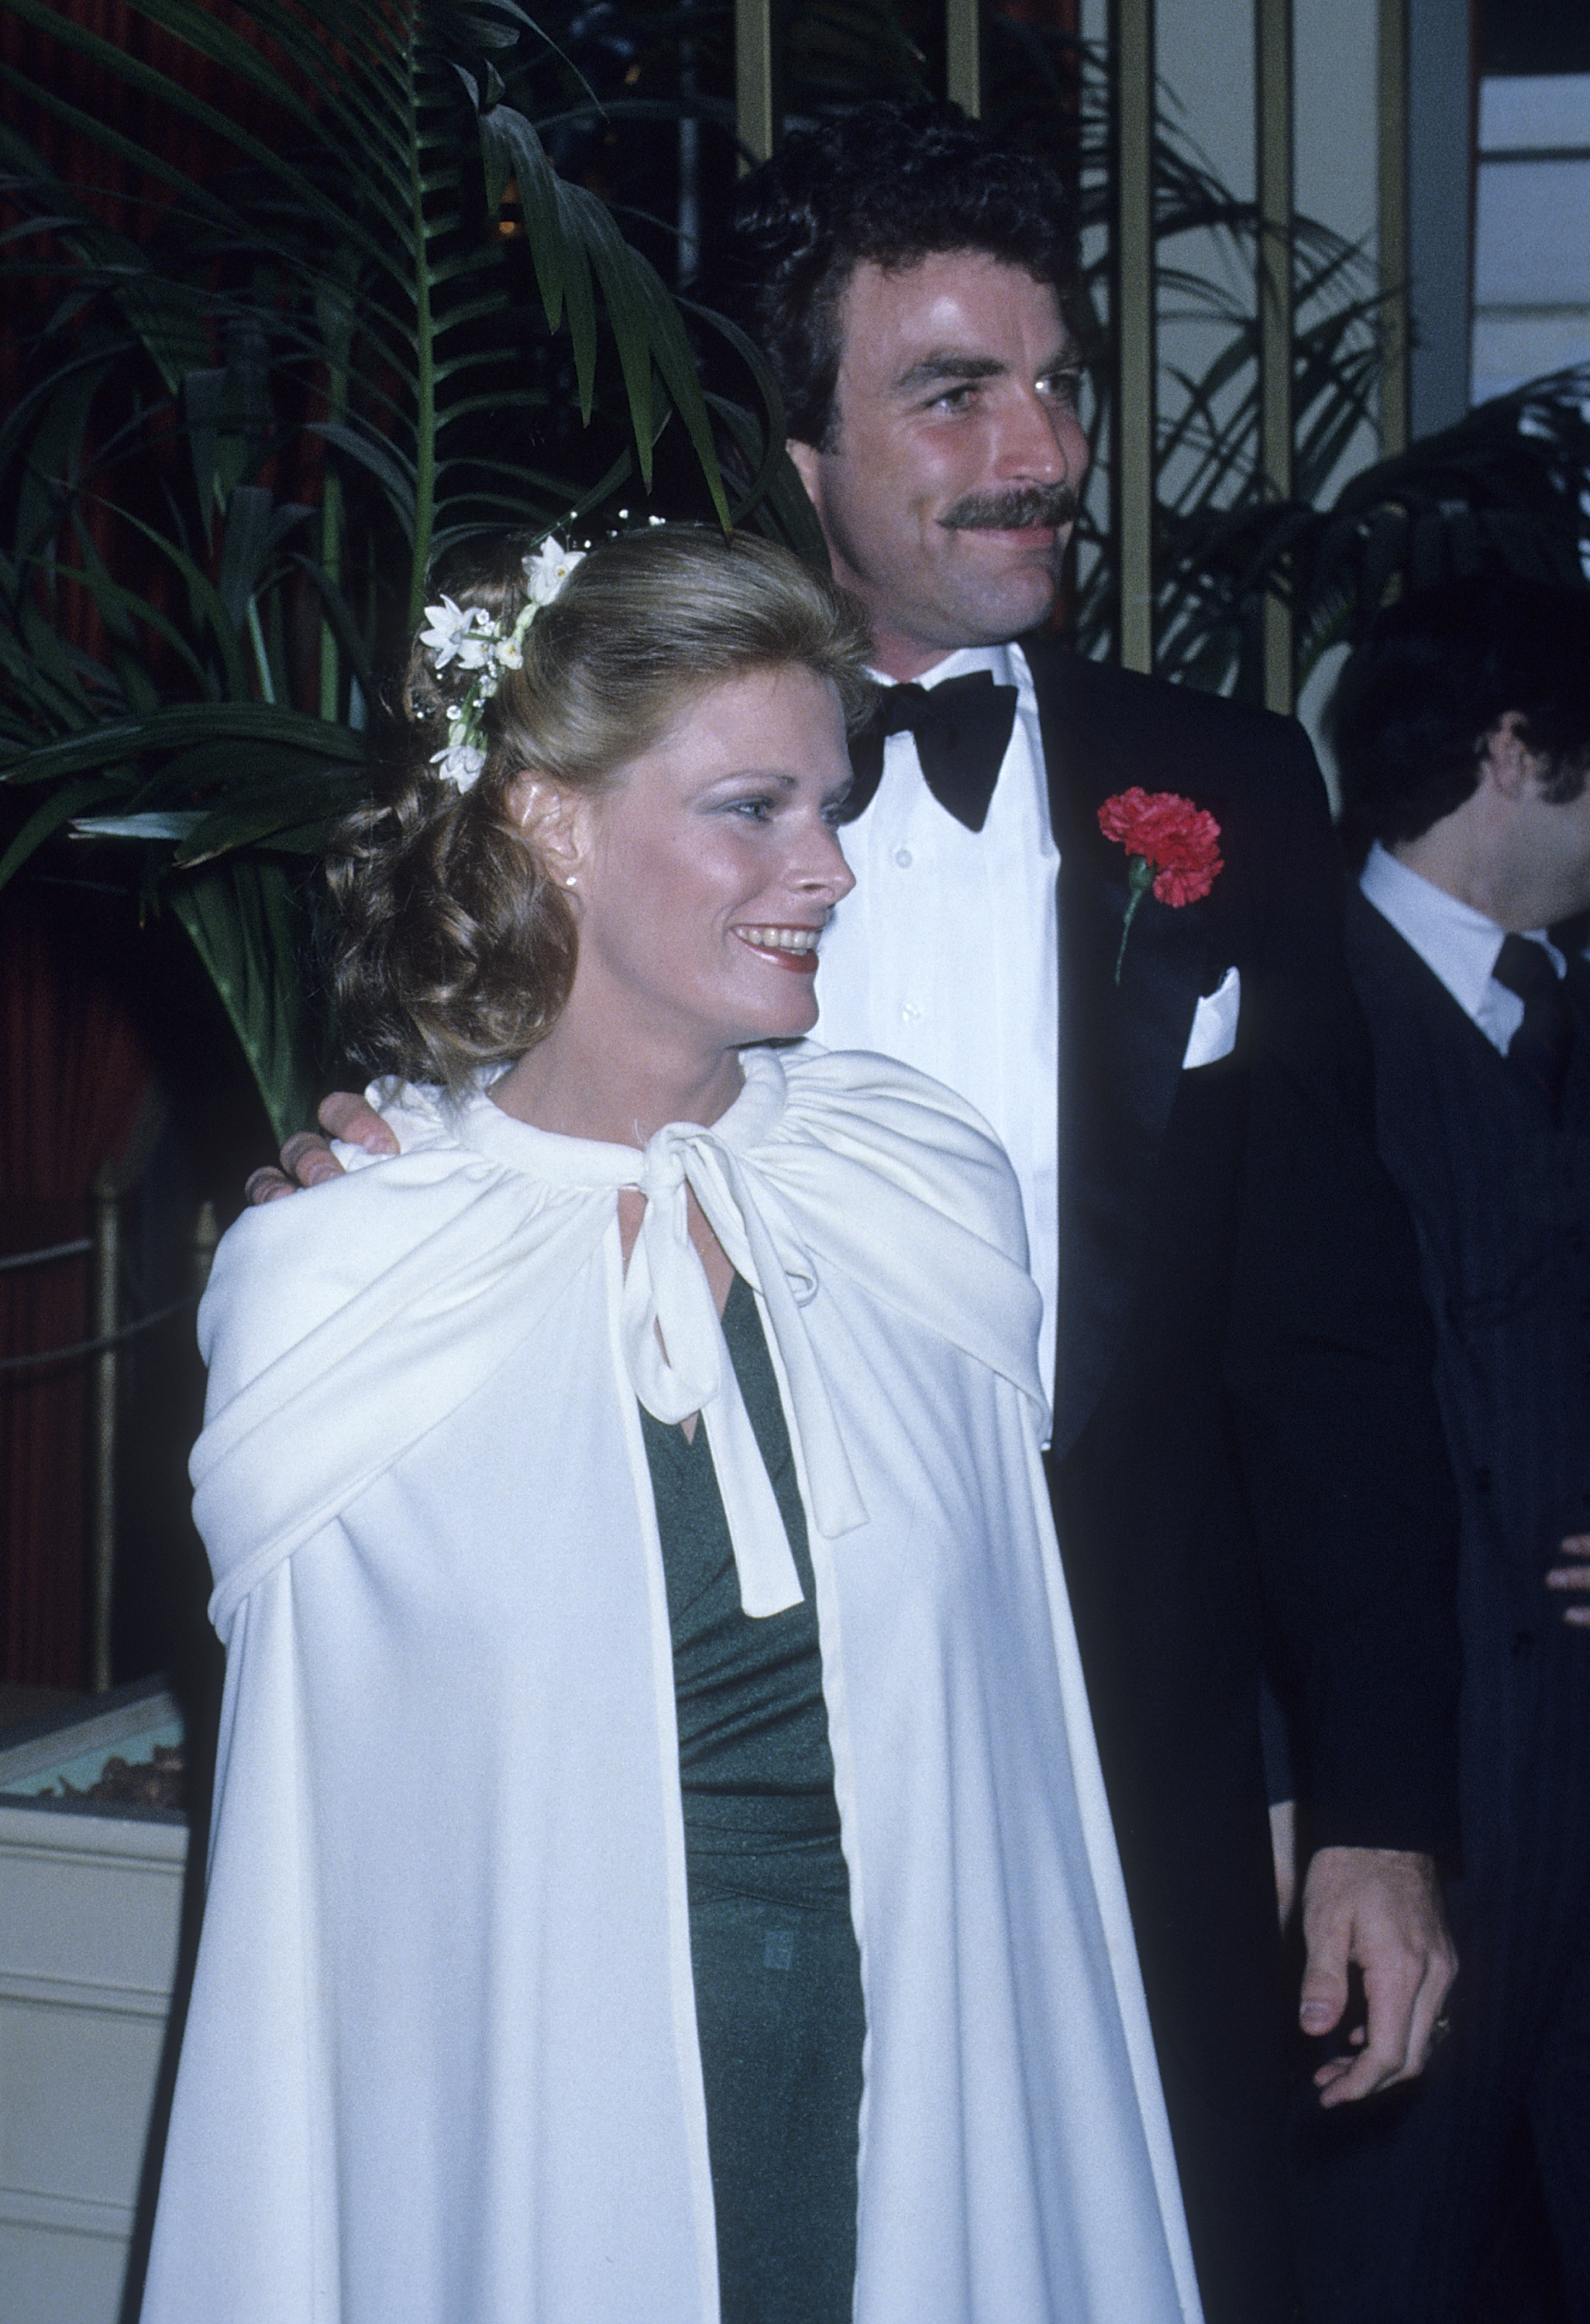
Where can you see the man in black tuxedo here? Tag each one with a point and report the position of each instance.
(1463, 731)
(1244, 1427)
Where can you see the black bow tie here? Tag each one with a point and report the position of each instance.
(963, 731)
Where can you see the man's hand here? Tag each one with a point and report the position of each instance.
(308, 1160)
(1574, 1575)
(1379, 1907)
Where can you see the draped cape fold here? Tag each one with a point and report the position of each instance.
(441, 2061)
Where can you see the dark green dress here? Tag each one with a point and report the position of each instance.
(777, 1972)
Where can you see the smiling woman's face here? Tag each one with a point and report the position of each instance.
(703, 877)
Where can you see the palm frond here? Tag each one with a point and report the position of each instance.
(375, 323)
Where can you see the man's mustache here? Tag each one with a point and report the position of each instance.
(1020, 510)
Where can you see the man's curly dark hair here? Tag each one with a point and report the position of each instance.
(1418, 700)
(889, 183)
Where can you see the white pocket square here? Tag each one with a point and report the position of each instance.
(1214, 1025)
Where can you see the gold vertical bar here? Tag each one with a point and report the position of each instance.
(963, 55)
(102, 1405)
(756, 108)
(1132, 289)
(1273, 109)
(331, 565)
(207, 1234)
(1393, 225)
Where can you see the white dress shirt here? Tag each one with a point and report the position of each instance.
(947, 954)
(1456, 943)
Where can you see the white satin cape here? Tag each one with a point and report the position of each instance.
(440, 2064)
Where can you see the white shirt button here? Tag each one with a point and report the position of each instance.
(910, 1013)
(903, 856)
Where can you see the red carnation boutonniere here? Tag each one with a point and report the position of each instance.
(1174, 847)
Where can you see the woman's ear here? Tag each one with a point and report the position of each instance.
(552, 821)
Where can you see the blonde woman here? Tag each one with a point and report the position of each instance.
(660, 1867)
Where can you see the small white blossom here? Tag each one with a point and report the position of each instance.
(510, 650)
(547, 570)
(460, 764)
(475, 644)
(449, 623)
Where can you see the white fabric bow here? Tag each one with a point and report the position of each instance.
(679, 1362)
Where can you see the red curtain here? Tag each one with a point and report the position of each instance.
(74, 1069)
(74, 1074)
(1056, 15)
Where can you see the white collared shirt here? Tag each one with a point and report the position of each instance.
(947, 954)
(1456, 943)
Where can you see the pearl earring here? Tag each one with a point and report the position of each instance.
(570, 882)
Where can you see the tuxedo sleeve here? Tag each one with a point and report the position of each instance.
(1329, 1364)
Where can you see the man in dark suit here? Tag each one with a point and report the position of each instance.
(1463, 731)
(1243, 1426)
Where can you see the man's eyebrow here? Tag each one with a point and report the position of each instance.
(941, 365)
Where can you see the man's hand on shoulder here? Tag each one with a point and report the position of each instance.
(308, 1160)
(1380, 1908)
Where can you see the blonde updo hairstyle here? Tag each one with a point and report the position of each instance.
(453, 948)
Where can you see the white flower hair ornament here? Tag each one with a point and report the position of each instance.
(483, 648)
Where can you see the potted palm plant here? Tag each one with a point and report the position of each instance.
(369, 320)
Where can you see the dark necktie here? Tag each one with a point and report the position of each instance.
(963, 730)
(1541, 1046)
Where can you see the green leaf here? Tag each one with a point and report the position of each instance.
(392, 470)
(321, 799)
(250, 925)
(174, 826)
(185, 725)
(45, 821)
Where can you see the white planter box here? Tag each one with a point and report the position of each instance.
(90, 1902)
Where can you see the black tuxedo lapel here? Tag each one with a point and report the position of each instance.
(1121, 1045)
